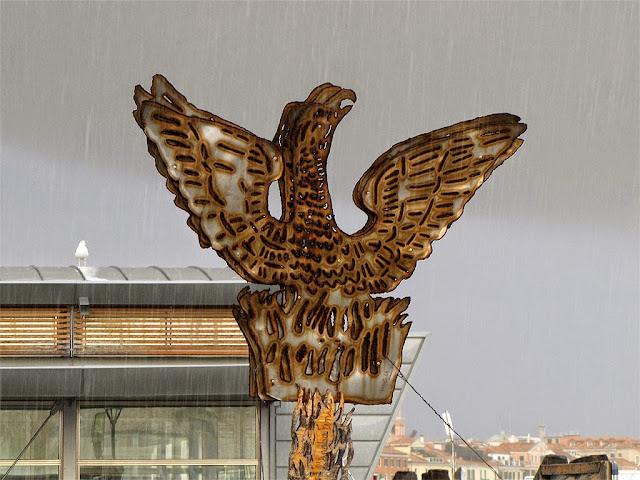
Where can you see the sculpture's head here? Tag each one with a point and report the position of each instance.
(314, 121)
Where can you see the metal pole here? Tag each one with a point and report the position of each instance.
(453, 459)
(72, 320)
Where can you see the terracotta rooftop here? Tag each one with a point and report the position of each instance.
(401, 441)
(597, 442)
(387, 450)
(417, 459)
(624, 464)
(516, 447)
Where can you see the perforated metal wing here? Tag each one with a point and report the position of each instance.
(220, 174)
(417, 189)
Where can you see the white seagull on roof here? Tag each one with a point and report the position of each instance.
(82, 253)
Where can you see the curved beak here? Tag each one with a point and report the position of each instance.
(336, 98)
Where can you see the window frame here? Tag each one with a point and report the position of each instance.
(46, 407)
(252, 462)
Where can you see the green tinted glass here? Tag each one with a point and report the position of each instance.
(31, 473)
(154, 472)
(18, 425)
(167, 433)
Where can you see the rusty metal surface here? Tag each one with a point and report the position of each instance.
(321, 446)
(324, 329)
(593, 467)
(570, 468)
(297, 340)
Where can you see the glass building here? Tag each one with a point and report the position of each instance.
(142, 373)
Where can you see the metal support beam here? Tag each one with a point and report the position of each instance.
(69, 435)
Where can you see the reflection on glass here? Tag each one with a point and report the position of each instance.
(167, 433)
(31, 473)
(18, 425)
(152, 472)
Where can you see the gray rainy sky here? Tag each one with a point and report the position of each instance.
(532, 297)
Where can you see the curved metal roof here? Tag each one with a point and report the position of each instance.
(153, 273)
(115, 285)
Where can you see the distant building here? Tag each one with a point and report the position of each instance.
(391, 461)
(616, 448)
(398, 427)
(517, 460)
(519, 453)
(396, 455)
(512, 457)
(418, 464)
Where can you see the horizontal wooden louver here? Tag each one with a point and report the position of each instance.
(157, 332)
(35, 332)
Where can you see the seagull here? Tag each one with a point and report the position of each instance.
(82, 253)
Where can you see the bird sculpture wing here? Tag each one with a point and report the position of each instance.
(220, 174)
(418, 188)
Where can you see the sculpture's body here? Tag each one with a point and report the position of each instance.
(323, 329)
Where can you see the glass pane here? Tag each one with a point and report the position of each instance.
(153, 472)
(171, 433)
(18, 425)
(31, 473)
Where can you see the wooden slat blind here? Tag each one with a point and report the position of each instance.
(157, 332)
(35, 332)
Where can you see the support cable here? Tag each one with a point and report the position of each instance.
(55, 409)
(443, 420)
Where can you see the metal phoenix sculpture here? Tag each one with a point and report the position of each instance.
(323, 329)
